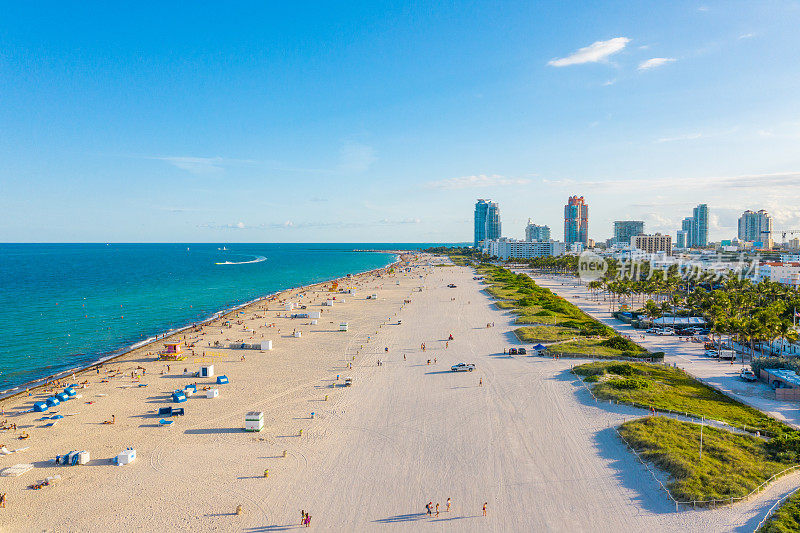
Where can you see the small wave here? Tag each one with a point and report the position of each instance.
(257, 259)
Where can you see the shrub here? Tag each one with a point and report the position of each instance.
(629, 383)
(785, 448)
(657, 356)
(594, 378)
(590, 369)
(621, 369)
(618, 342)
(544, 312)
(774, 362)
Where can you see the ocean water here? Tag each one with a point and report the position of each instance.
(63, 306)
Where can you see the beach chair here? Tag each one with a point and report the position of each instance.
(165, 422)
(178, 411)
(222, 380)
(165, 411)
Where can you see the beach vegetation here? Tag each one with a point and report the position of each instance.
(786, 519)
(732, 465)
(671, 389)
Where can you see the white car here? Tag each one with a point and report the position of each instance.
(463, 367)
(666, 331)
(747, 375)
(712, 353)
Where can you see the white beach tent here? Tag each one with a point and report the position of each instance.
(254, 421)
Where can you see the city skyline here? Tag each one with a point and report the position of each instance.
(322, 123)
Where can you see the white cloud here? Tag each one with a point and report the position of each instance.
(470, 182)
(356, 157)
(609, 82)
(655, 62)
(200, 165)
(594, 53)
(747, 35)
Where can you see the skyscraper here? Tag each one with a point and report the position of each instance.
(700, 226)
(696, 228)
(576, 221)
(487, 221)
(534, 232)
(680, 242)
(755, 226)
(624, 230)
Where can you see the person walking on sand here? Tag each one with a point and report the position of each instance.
(428, 507)
(448, 505)
(437, 508)
(302, 517)
(484, 508)
(480, 382)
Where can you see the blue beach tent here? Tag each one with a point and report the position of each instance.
(192, 386)
(62, 396)
(53, 401)
(165, 411)
(40, 407)
(178, 396)
(221, 380)
(69, 391)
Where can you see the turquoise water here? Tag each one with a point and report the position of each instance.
(63, 306)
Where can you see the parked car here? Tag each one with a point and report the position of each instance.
(654, 331)
(463, 367)
(747, 375)
(512, 351)
(712, 353)
(521, 351)
(665, 331)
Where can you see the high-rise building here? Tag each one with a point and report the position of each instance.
(576, 221)
(755, 226)
(680, 241)
(696, 228)
(487, 220)
(700, 226)
(534, 232)
(625, 229)
(653, 243)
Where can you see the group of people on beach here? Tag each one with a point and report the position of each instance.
(305, 519)
(430, 508)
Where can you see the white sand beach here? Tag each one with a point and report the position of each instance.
(529, 440)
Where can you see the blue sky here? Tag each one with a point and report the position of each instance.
(301, 122)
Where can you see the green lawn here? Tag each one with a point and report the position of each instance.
(786, 519)
(597, 348)
(671, 389)
(544, 333)
(731, 466)
(537, 305)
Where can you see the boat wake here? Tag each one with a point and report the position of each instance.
(258, 259)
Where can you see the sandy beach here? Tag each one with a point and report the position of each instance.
(518, 433)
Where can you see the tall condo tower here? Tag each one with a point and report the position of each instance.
(755, 226)
(535, 232)
(625, 230)
(487, 221)
(576, 221)
(700, 226)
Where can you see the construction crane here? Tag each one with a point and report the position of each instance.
(785, 232)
